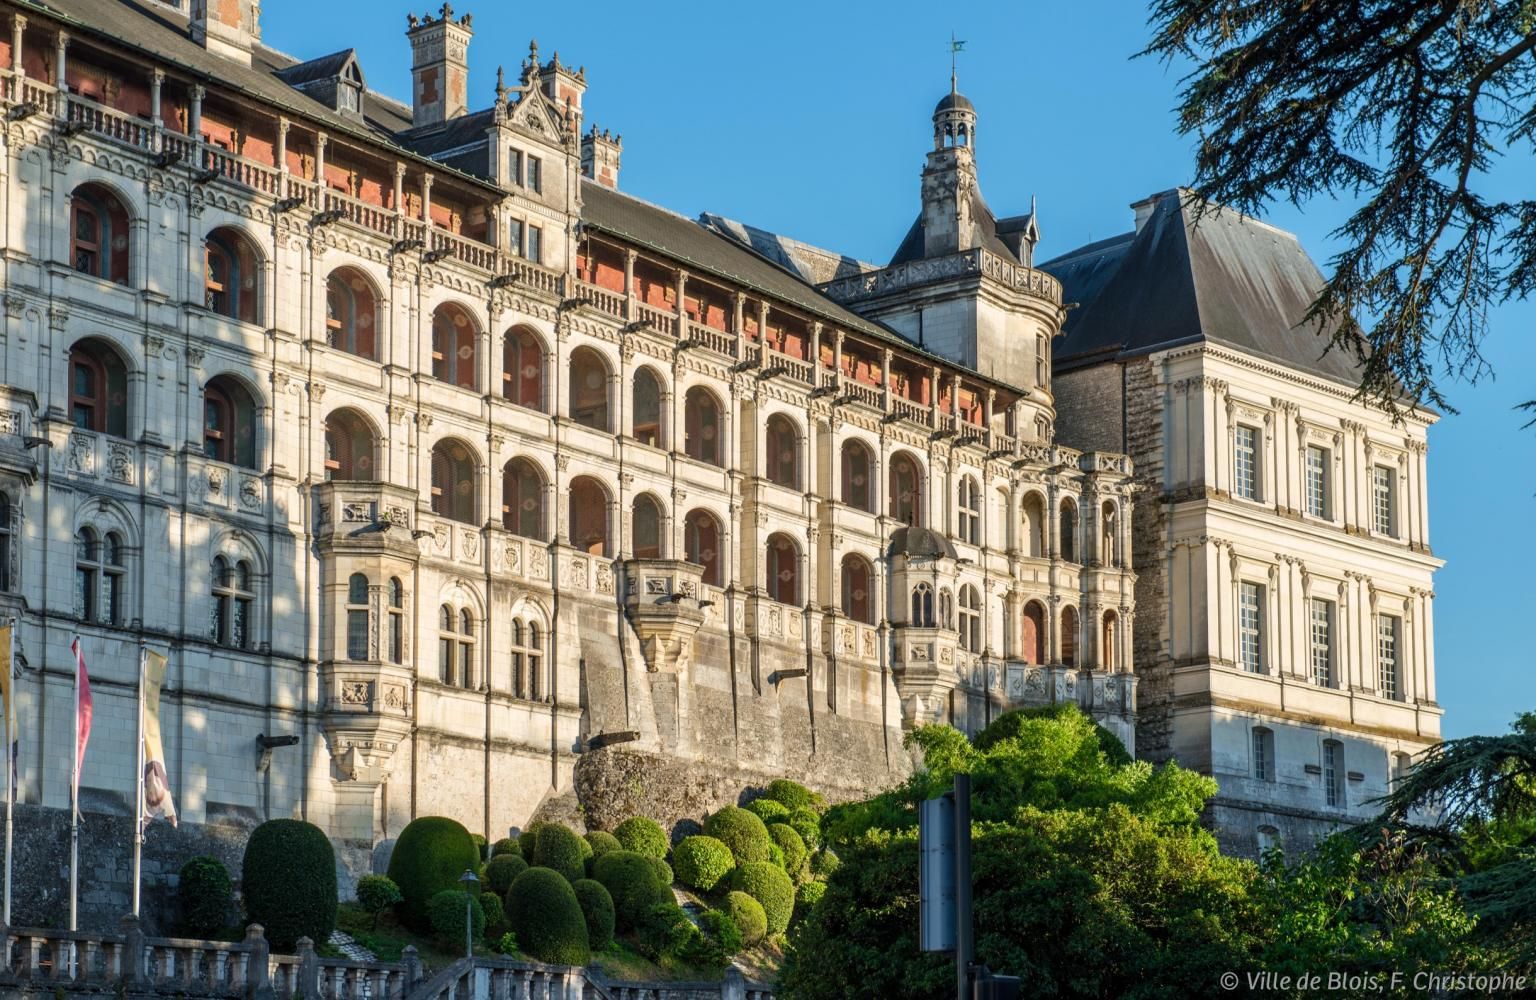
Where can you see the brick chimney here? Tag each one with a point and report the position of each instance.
(229, 28)
(439, 66)
(600, 157)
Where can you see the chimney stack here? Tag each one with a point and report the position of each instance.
(229, 28)
(600, 157)
(439, 66)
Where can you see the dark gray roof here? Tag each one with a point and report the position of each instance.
(465, 130)
(322, 68)
(983, 233)
(1221, 277)
(954, 100)
(920, 542)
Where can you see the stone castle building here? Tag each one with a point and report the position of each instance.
(453, 480)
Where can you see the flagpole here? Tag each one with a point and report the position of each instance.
(10, 765)
(74, 804)
(138, 799)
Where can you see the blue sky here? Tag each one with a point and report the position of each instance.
(812, 120)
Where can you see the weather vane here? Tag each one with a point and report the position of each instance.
(954, 47)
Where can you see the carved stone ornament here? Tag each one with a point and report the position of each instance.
(250, 494)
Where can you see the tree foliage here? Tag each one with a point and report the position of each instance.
(1402, 106)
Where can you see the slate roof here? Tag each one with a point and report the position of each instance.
(323, 68)
(1223, 278)
(983, 228)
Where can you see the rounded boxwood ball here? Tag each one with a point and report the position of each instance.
(601, 842)
(597, 909)
(793, 794)
(767, 883)
(546, 918)
(663, 871)
(747, 913)
(506, 845)
(288, 879)
(526, 841)
(431, 854)
(701, 862)
(204, 891)
(495, 916)
(631, 880)
(742, 832)
(643, 836)
(790, 843)
(445, 912)
(769, 810)
(501, 870)
(807, 824)
(807, 896)
(559, 848)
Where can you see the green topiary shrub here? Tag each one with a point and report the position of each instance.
(501, 870)
(768, 810)
(544, 914)
(807, 896)
(824, 862)
(495, 916)
(601, 842)
(479, 845)
(288, 879)
(631, 880)
(794, 795)
(597, 909)
(205, 894)
(526, 841)
(807, 824)
(790, 843)
(742, 832)
(445, 912)
(723, 934)
(663, 871)
(559, 848)
(767, 884)
(664, 930)
(377, 893)
(643, 836)
(429, 857)
(776, 855)
(701, 862)
(506, 845)
(747, 913)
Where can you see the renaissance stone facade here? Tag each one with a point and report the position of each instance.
(434, 462)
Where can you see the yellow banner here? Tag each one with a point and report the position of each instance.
(157, 788)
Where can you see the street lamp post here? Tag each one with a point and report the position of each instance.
(469, 879)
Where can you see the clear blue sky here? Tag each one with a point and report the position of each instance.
(811, 119)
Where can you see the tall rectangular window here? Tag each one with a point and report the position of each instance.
(1317, 482)
(536, 244)
(1263, 754)
(1246, 463)
(515, 237)
(1251, 627)
(1333, 773)
(535, 174)
(1386, 656)
(1322, 642)
(515, 166)
(1383, 515)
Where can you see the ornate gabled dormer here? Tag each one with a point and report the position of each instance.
(335, 80)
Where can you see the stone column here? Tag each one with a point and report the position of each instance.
(321, 140)
(61, 75)
(399, 189)
(18, 28)
(426, 201)
(282, 157)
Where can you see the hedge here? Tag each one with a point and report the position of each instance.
(205, 894)
(445, 912)
(794, 795)
(769, 810)
(631, 880)
(501, 870)
(793, 847)
(288, 878)
(559, 848)
(643, 836)
(547, 918)
(748, 915)
(429, 857)
(597, 910)
(742, 832)
(701, 862)
(767, 884)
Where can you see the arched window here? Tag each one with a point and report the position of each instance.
(233, 597)
(357, 617)
(858, 589)
(113, 573)
(454, 356)
(922, 606)
(782, 452)
(589, 389)
(87, 574)
(522, 369)
(858, 476)
(970, 619)
(522, 499)
(466, 649)
(589, 516)
(98, 388)
(229, 422)
(1110, 655)
(783, 569)
(230, 270)
(1069, 531)
(1034, 526)
(1109, 539)
(1069, 639)
(396, 620)
(646, 525)
(6, 583)
(1032, 641)
(528, 681)
(350, 313)
(968, 507)
(98, 233)
(701, 545)
(453, 482)
(647, 407)
(701, 426)
(946, 609)
(906, 496)
(456, 647)
(348, 447)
